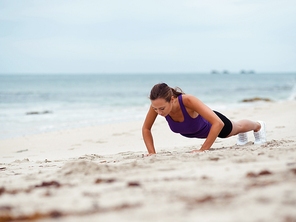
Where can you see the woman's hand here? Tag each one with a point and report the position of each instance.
(197, 151)
(150, 154)
(146, 130)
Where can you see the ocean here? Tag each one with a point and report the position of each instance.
(31, 104)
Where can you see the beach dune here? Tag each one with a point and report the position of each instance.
(100, 173)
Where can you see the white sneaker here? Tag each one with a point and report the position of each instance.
(242, 139)
(260, 136)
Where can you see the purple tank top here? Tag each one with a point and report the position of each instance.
(191, 127)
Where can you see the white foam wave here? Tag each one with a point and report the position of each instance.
(293, 93)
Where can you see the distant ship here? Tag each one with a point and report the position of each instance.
(247, 72)
(216, 72)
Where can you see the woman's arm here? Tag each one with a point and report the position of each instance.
(217, 124)
(146, 130)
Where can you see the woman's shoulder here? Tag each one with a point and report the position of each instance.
(190, 100)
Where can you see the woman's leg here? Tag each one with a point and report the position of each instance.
(244, 126)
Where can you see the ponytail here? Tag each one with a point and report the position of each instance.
(177, 91)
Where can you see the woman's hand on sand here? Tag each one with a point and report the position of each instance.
(197, 151)
(149, 154)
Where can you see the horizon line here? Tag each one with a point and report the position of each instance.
(214, 72)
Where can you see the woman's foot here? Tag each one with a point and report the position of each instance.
(242, 139)
(260, 136)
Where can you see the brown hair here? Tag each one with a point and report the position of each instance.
(163, 91)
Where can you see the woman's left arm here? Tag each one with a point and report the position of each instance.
(217, 124)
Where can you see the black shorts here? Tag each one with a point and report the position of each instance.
(226, 130)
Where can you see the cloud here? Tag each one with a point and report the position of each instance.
(156, 35)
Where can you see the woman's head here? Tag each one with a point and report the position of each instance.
(163, 91)
(162, 98)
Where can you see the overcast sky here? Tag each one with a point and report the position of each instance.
(147, 36)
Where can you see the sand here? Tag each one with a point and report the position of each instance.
(100, 173)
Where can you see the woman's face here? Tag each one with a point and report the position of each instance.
(161, 106)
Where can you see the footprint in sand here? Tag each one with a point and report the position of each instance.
(101, 141)
(92, 141)
(74, 146)
(122, 134)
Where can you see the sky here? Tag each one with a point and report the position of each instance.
(147, 36)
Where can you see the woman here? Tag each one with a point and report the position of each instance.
(190, 117)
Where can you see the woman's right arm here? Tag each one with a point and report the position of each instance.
(146, 130)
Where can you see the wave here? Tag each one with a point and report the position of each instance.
(293, 93)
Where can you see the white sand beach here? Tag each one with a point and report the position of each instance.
(100, 173)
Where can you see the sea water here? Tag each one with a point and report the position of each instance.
(32, 104)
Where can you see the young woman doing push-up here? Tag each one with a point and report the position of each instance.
(190, 117)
